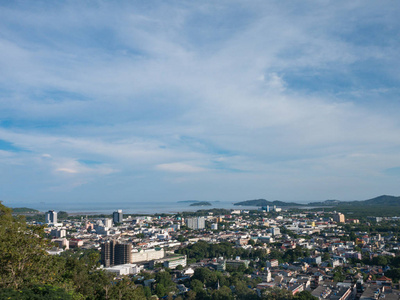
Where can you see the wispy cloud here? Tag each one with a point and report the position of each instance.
(180, 167)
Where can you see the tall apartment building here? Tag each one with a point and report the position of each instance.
(114, 253)
(339, 218)
(107, 223)
(51, 217)
(107, 253)
(123, 254)
(118, 216)
(196, 223)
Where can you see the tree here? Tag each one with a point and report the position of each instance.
(23, 256)
(394, 274)
(181, 238)
(326, 256)
(36, 293)
(224, 293)
(276, 294)
(165, 284)
(62, 215)
(179, 267)
(206, 276)
(160, 290)
(304, 295)
(164, 278)
(191, 295)
(196, 285)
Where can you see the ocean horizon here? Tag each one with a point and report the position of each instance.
(142, 207)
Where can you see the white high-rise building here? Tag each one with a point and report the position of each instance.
(196, 223)
(51, 217)
(108, 223)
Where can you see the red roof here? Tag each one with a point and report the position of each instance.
(384, 278)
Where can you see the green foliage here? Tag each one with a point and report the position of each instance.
(23, 258)
(276, 294)
(393, 274)
(224, 293)
(206, 276)
(28, 272)
(304, 295)
(165, 285)
(40, 292)
(62, 215)
(338, 274)
(125, 289)
(196, 285)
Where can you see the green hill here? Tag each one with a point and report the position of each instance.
(383, 200)
(24, 210)
(263, 202)
(326, 203)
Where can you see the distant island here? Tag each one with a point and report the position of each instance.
(263, 202)
(201, 203)
(189, 201)
(24, 210)
(197, 201)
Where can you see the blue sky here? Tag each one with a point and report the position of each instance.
(149, 101)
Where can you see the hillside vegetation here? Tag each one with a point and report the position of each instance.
(28, 272)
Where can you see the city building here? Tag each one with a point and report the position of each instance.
(114, 253)
(51, 217)
(236, 263)
(174, 261)
(123, 254)
(107, 253)
(124, 269)
(118, 216)
(313, 260)
(196, 223)
(107, 223)
(62, 243)
(273, 263)
(58, 233)
(275, 231)
(147, 255)
(339, 218)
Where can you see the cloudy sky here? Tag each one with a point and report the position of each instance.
(213, 100)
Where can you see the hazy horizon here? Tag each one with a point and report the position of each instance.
(138, 101)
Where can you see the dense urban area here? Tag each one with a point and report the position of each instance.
(266, 253)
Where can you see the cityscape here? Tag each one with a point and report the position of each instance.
(279, 253)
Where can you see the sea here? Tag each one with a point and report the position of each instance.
(148, 207)
(134, 207)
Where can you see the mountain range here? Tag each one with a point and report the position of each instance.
(384, 200)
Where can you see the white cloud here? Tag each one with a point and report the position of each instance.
(180, 168)
(66, 170)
